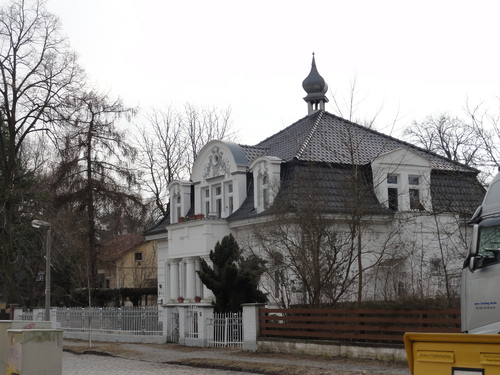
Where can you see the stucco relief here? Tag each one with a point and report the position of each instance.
(217, 165)
(262, 169)
(175, 190)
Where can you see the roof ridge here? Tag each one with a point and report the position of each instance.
(309, 136)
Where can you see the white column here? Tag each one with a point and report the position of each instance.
(199, 285)
(174, 280)
(208, 295)
(190, 279)
(164, 284)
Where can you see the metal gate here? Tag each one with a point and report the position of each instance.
(192, 316)
(174, 325)
(225, 330)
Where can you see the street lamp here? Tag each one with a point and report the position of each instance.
(39, 224)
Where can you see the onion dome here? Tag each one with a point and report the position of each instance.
(315, 87)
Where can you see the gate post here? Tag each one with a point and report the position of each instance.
(251, 325)
(205, 311)
(182, 323)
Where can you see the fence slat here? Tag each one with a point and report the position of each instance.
(356, 325)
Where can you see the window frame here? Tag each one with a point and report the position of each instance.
(393, 200)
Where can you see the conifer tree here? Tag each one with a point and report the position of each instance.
(233, 279)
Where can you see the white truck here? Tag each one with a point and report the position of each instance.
(477, 349)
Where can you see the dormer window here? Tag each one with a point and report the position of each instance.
(266, 176)
(401, 179)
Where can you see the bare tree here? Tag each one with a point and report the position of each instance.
(171, 142)
(163, 150)
(487, 135)
(95, 171)
(38, 70)
(314, 237)
(448, 136)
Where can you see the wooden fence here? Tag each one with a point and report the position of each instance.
(379, 326)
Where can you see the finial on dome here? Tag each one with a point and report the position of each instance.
(315, 87)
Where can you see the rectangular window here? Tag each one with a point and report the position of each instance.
(206, 200)
(415, 200)
(435, 266)
(218, 205)
(229, 205)
(413, 180)
(138, 257)
(393, 198)
(391, 179)
(178, 207)
(217, 202)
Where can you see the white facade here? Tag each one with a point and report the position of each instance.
(408, 241)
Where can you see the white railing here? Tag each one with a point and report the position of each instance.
(116, 320)
(30, 315)
(225, 330)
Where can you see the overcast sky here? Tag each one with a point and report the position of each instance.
(411, 59)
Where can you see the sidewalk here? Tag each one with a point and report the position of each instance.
(237, 360)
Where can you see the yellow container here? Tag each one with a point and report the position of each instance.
(452, 353)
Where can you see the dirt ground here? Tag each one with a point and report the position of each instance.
(236, 364)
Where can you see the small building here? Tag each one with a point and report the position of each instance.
(128, 261)
(388, 206)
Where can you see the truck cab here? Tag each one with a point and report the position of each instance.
(480, 291)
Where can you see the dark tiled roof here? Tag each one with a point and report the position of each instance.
(329, 188)
(456, 192)
(253, 152)
(323, 137)
(161, 227)
(324, 187)
(247, 208)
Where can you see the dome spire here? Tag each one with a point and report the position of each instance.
(315, 87)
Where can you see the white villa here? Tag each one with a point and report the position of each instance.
(413, 207)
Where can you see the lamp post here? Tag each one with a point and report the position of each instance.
(39, 224)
